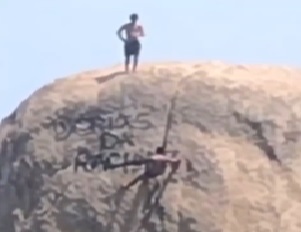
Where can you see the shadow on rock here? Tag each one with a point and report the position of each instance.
(132, 214)
(103, 79)
(184, 223)
(147, 199)
(153, 205)
(77, 215)
(260, 140)
(115, 201)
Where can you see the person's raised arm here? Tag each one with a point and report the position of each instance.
(119, 32)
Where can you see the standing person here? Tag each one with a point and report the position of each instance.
(132, 44)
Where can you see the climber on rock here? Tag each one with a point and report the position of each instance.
(132, 44)
(154, 166)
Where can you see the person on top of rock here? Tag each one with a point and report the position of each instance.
(132, 44)
(154, 166)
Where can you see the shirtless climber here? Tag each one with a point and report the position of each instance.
(132, 44)
(154, 166)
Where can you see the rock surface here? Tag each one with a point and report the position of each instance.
(236, 128)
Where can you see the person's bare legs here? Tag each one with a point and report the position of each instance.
(136, 60)
(127, 63)
(135, 181)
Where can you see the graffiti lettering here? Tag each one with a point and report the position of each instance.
(110, 141)
(122, 120)
(141, 122)
(125, 159)
(89, 162)
(64, 124)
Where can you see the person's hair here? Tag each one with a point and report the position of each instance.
(134, 17)
(160, 150)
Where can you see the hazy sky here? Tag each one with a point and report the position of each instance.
(45, 39)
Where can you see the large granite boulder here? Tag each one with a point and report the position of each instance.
(236, 129)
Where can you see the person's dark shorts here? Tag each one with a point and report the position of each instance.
(132, 48)
(151, 175)
(151, 171)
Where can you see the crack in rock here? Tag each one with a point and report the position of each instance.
(262, 142)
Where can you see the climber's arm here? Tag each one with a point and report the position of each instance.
(164, 158)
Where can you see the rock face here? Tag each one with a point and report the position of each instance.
(236, 129)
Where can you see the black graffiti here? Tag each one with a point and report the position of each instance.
(109, 140)
(89, 161)
(64, 123)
